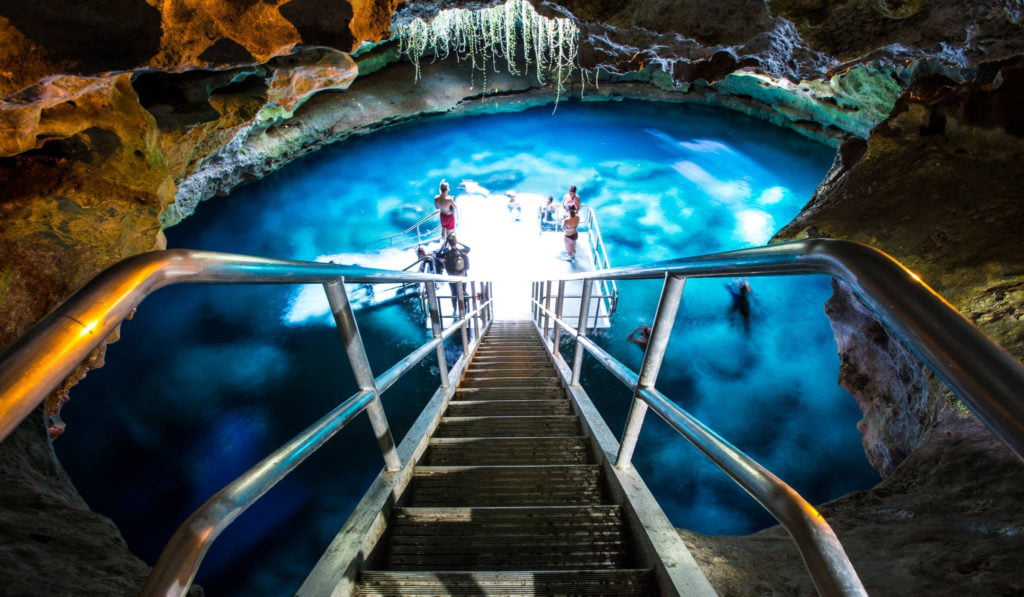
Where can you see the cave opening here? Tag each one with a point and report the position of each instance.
(208, 380)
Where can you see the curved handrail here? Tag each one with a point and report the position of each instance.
(181, 557)
(985, 376)
(415, 226)
(821, 550)
(37, 362)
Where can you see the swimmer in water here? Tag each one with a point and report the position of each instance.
(740, 291)
(641, 336)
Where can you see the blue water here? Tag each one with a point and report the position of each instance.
(208, 380)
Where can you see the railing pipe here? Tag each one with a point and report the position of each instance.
(361, 370)
(435, 329)
(460, 314)
(581, 333)
(547, 307)
(180, 559)
(654, 354)
(559, 303)
(823, 554)
(986, 377)
(415, 226)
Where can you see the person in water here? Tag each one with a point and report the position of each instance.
(570, 199)
(740, 291)
(445, 204)
(570, 226)
(641, 336)
(547, 215)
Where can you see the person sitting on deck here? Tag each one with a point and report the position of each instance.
(547, 215)
(446, 205)
(430, 263)
(514, 208)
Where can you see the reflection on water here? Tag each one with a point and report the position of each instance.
(208, 380)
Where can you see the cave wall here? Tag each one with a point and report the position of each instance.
(120, 116)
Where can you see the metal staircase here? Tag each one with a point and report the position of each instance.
(508, 497)
(506, 484)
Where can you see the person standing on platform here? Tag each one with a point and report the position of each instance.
(456, 263)
(570, 199)
(570, 227)
(445, 204)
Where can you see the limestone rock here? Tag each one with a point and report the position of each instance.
(923, 189)
(46, 37)
(53, 544)
(947, 522)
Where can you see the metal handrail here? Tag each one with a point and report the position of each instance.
(33, 366)
(985, 376)
(601, 261)
(416, 226)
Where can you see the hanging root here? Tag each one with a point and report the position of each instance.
(483, 36)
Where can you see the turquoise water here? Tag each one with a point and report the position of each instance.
(208, 380)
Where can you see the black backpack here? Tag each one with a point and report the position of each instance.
(456, 262)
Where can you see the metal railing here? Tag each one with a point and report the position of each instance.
(406, 237)
(40, 360)
(988, 379)
(609, 288)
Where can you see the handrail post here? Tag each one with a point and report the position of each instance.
(476, 314)
(346, 324)
(547, 308)
(490, 302)
(559, 303)
(581, 332)
(435, 329)
(536, 303)
(654, 354)
(460, 316)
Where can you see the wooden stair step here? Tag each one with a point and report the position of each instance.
(507, 451)
(494, 408)
(594, 583)
(509, 426)
(480, 394)
(548, 485)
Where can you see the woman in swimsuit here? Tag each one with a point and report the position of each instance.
(569, 227)
(445, 205)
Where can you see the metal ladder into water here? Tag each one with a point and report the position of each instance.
(508, 497)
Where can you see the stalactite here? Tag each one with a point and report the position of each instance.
(483, 36)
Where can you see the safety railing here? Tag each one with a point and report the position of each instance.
(987, 378)
(40, 360)
(406, 237)
(609, 288)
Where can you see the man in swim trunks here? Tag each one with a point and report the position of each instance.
(446, 206)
